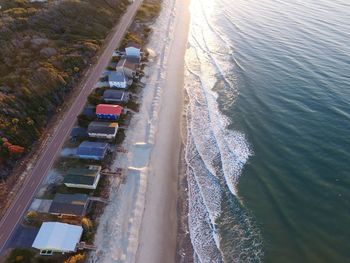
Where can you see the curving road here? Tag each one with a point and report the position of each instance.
(24, 197)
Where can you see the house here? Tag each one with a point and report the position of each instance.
(103, 130)
(133, 52)
(92, 150)
(57, 237)
(69, 205)
(108, 111)
(85, 177)
(115, 96)
(117, 80)
(127, 67)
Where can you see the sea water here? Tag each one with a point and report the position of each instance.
(268, 119)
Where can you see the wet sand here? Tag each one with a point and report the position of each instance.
(158, 233)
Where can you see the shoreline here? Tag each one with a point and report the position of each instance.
(184, 248)
(159, 230)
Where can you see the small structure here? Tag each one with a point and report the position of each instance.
(127, 67)
(89, 111)
(57, 237)
(103, 130)
(92, 150)
(133, 52)
(115, 96)
(85, 177)
(117, 80)
(40, 205)
(69, 205)
(78, 132)
(108, 111)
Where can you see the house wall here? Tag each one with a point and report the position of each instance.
(132, 52)
(115, 84)
(90, 157)
(113, 100)
(107, 116)
(102, 135)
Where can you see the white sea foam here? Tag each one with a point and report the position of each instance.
(214, 154)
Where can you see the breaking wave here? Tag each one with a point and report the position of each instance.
(215, 155)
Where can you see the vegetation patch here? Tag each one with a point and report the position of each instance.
(44, 49)
(148, 11)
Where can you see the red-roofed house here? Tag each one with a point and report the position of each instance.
(107, 111)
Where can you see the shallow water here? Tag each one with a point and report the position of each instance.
(268, 121)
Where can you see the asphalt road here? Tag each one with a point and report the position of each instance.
(33, 180)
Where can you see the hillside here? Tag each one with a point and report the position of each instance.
(44, 48)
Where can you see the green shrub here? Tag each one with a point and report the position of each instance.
(20, 255)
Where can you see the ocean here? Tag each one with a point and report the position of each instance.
(268, 121)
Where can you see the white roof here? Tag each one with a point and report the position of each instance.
(58, 237)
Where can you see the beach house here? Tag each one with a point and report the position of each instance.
(108, 111)
(133, 52)
(85, 177)
(92, 150)
(117, 80)
(103, 130)
(69, 205)
(57, 237)
(115, 96)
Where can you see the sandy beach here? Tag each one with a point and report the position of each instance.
(159, 225)
(140, 222)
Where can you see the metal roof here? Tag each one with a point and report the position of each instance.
(133, 59)
(86, 175)
(97, 149)
(69, 204)
(58, 237)
(116, 76)
(117, 95)
(103, 127)
(109, 109)
(79, 132)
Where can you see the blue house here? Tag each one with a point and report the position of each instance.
(92, 150)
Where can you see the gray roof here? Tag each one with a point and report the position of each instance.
(125, 63)
(84, 175)
(79, 132)
(69, 204)
(116, 95)
(133, 59)
(103, 127)
(92, 148)
(116, 76)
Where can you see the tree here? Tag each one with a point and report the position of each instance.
(87, 224)
(75, 258)
(94, 98)
(20, 255)
(32, 215)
